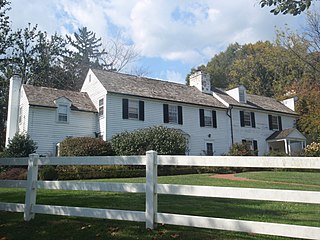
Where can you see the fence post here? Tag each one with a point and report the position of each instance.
(31, 189)
(151, 190)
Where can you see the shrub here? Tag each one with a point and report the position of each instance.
(48, 173)
(14, 174)
(312, 150)
(21, 145)
(240, 149)
(85, 146)
(166, 141)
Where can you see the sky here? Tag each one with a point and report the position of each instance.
(171, 36)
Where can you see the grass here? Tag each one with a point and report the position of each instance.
(12, 225)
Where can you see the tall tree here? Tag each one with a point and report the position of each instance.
(86, 55)
(293, 7)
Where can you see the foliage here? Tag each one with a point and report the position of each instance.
(21, 145)
(240, 149)
(14, 174)
(293, 7)
(165, 141)
(85, 146)
(312, 150)
(48, 173)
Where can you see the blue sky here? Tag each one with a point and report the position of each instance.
(171, 36)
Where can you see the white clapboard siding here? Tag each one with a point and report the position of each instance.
(285, 230)
(13, 183)
(92, 160)
(241, 161)
(11, 207)
(90, 212)
(241, 193)
(92, 186)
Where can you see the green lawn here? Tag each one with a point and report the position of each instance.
(12, 225)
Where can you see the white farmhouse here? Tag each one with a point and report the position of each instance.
(110, 103)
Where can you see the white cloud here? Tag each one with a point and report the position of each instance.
(174, 76)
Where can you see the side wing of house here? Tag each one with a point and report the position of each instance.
(253, 127)
(206, 128)
(97, 93)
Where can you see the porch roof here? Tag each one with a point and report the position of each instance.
(289, 133)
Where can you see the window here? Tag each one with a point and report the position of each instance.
(132, 109)
(275, 123)
(20, 114)
(101, 107)
(247, 119)
(172, 114)
(242, 96)
(208, 118)
(63, 113)
(209, 149)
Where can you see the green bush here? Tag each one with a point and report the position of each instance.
(85, 146)
(166, 141)
(21, 145)
(312, 150)
(48, 173)
(240, 149)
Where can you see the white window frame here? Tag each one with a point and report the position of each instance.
(242, 95)
(249, 143)
(133, 109)
(274, 122)
(63, 114)
(247, 119)
(101, 107)
(173, 113)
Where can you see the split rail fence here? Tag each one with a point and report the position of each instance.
(151, 188)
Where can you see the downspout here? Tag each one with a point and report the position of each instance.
(229, 114)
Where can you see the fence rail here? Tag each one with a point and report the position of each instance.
(151, 215)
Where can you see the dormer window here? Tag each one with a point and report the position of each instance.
(63, 113)
(242, 95)
(63, 109)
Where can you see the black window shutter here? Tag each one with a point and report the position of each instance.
(180, 119)
(244, 141)
(255, 147)
(270, 122)
(125, 112)
(214, 119)
(241, 118)
(165, 113)
(201, 115)
(280, 123)
(253, 120)
(141, 110)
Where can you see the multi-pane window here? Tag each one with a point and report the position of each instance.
(242, 97)
(275, 123)
(101, 107)
(247, 119)
(173, 114)
(207, 118)
(133, 109)
(63, 113)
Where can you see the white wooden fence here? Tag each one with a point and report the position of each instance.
(152, 189)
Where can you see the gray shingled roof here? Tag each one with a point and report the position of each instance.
(45, 97)
(256, 102)
(278, 135)
(151, 88)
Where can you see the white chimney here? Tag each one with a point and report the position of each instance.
(290, 102)
(13, 107)
(201, 80)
